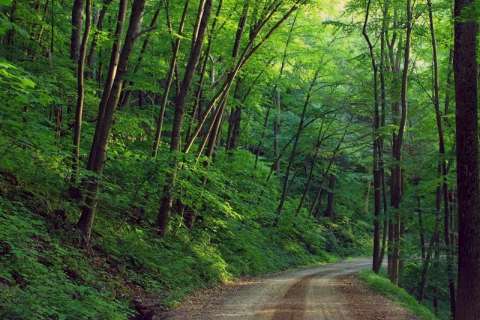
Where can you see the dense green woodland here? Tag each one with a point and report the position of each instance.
(150, 148)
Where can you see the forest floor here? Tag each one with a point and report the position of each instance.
(329, 292)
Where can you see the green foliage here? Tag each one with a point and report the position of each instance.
(385, 287)
(237, 230)
(44, 278)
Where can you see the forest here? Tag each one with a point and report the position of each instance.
(152, 149)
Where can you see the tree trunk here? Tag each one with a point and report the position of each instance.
(330, 210)
(250, 49)
(316, 205)
(77, 128)
(320, 138)
(98, 29)
(443, 161)
(397, 151)
(113, 65)
(75, 38)
(126, 93)
(196, 110)
(171, 74)
(377, 182)
(276, 101)
(167, 198)
(383, 103)
(295, 142)
(433, 245)
(465, 69)
(213, 138)
(97, 156)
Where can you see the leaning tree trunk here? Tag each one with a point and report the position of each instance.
(320, 139)
(126, 93)
(293, 152)
(216, 129)
(465, 68)
(195, 52)
(276, 99)
(171, 74)
(97, 156)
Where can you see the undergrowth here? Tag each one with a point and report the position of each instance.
(44, 274)
(399, 295)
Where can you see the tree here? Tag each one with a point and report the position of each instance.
(465, 69)
(377, 179)
(77, 128)
(167, 198)
(98, 150)
(77, 20)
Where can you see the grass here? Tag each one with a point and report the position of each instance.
(399, 295)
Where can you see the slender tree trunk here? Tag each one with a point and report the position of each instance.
(250, 49)
(293, 153)
(377, 182)
(397, 150)
(97, 156)
(98, 30)
(77, 128)
(277, 102)
(75, 38)
(196, 110)
(234, 121)
(213, 137)
(320, 137)
(284, 148)
(465, 66)
(329, 211)
(316, 205)
(433, 245)
(383, 104)
(421, 228)
(10, 34)
(126, 93)
(443, 161)
(171, 74)
(167, 198)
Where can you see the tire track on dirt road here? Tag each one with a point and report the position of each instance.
(328, 292)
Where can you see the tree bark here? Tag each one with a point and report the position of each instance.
(196, 110)
(465, 69)
(377, 182)
(329, 211)
(97, 156)
(213, 138)
(77, 21)
(250, 49)
(77, 127)
(171, 73)
(443, 161)
(167, 198)
(126, 93)
(98, 29)
(397, 150)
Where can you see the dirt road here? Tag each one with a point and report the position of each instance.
(329, 292)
